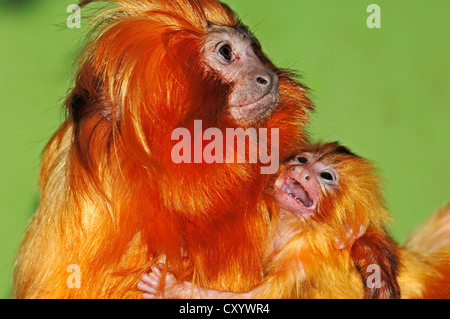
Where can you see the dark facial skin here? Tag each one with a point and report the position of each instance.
(230, 53)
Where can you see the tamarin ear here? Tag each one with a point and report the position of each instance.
(375, 255)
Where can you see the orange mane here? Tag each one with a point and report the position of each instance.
(113, 202)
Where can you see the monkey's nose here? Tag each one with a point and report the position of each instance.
(303, 174)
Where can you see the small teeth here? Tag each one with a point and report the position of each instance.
(287, 190)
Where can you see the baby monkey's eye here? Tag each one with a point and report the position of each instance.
(302, 160)
(327, 176)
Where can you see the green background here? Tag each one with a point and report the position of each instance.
(385, 93)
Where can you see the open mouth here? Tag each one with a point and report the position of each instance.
(294, 189)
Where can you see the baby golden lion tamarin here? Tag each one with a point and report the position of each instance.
(329, 234)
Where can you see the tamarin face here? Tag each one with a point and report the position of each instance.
(230, 52)
(300, 187)
(319, 171)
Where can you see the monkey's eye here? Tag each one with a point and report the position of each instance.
(302, 160)
(327, 176)
(226, 53)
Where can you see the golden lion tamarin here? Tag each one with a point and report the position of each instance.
(113, 200)
(329, 235)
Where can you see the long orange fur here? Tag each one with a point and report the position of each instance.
(112, 201)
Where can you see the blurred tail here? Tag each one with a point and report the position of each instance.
(432, 242)
(433, 235)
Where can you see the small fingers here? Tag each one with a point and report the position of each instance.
(150, 282)
(150, 292)
(156, 271)
(150, 279)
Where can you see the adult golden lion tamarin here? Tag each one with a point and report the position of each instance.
(113, 200)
